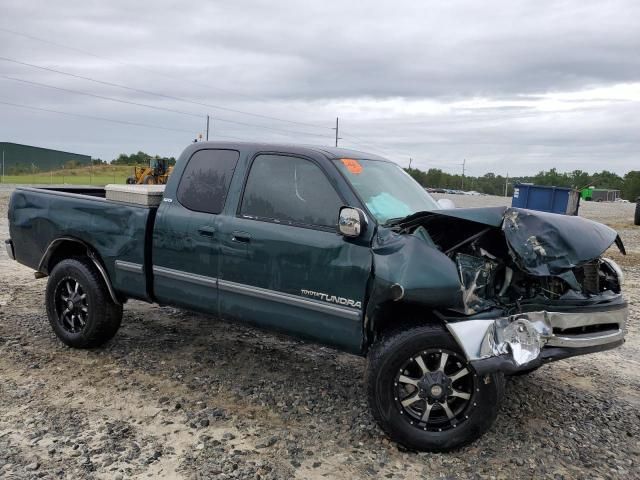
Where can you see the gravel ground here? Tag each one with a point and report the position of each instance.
(182, 395)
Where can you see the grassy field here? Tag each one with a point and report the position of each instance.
(96, 175)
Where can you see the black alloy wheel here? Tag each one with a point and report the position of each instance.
(435, 390)
(425, 394)
(72, 306)
(79, 305)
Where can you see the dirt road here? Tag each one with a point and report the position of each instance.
(181, 395)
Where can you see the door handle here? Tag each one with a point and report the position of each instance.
(241, 237)
(207, 231)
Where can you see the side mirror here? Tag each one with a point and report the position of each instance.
(351, 222)
(446, 204)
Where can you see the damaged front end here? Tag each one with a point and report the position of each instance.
(532, 287)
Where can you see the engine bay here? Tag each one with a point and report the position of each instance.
(542, 268)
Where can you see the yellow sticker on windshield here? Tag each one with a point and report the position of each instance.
(352, 165)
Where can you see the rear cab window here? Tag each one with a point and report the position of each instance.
(206, 178)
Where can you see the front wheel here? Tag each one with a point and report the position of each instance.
(425, 395)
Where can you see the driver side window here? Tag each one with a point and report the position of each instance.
(289, 190)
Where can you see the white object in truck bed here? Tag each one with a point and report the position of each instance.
(148, 195)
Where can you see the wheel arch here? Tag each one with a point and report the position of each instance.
(392, 315)
(66, 247)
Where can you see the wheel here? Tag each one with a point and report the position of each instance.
(131, 180)
(149, 180)
(80, 309)
(425, 395)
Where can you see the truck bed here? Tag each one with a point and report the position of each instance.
(118, 233)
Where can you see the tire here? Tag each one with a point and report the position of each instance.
(636, 219)
(95, 317)
(131, 181)
(393, 360)
(149, 180)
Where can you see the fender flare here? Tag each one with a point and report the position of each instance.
(43, 269)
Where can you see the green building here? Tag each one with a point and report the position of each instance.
(18, 159)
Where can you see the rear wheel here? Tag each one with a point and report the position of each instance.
(80, 309)
(149, 180)
(425, 395)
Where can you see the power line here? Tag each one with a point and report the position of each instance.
(112, 99)
(156, 72)
(182, 79)
(112, 120)
(38, 84)
(120, 62)
(104, 119)
(162, 95)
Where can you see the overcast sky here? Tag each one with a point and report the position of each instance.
(509, 86)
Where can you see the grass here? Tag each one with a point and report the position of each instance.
(96, 175)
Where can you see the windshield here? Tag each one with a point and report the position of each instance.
(387, 190)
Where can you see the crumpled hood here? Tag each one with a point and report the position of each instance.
(543, 243)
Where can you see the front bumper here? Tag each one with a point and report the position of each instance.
(527, 340)
(8, 244)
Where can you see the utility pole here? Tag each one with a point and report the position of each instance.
(410, 160)
(464, 164)
(337, 131)
(207, 128)
(506, 185)
(3, 166)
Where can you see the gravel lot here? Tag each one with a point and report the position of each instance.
(182, 395)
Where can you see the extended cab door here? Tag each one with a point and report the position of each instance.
(283, 264)
(185, 238)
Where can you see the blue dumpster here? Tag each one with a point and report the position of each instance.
(546, 199)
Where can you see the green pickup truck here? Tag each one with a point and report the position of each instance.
(342, 248)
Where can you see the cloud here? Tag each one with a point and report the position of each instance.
(504, 84)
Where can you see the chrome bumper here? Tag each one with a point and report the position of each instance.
(606, 326)
(524, 338)
(8, 244)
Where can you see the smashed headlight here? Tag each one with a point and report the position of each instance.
(615, 268)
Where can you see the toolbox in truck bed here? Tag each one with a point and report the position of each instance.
(148, 195)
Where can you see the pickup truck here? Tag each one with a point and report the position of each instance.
(342, 248)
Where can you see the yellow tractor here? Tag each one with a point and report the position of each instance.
(157, 173)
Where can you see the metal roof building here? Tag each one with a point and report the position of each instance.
(18, 158)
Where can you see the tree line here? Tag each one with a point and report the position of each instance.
(140, 158)
(492, 184)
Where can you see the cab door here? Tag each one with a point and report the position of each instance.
(283, 265)
(186, 252)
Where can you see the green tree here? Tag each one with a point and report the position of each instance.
(631, 186)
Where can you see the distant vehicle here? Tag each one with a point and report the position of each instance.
(341, 248)
(157, 173)
(599, 194)
(622, 200)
